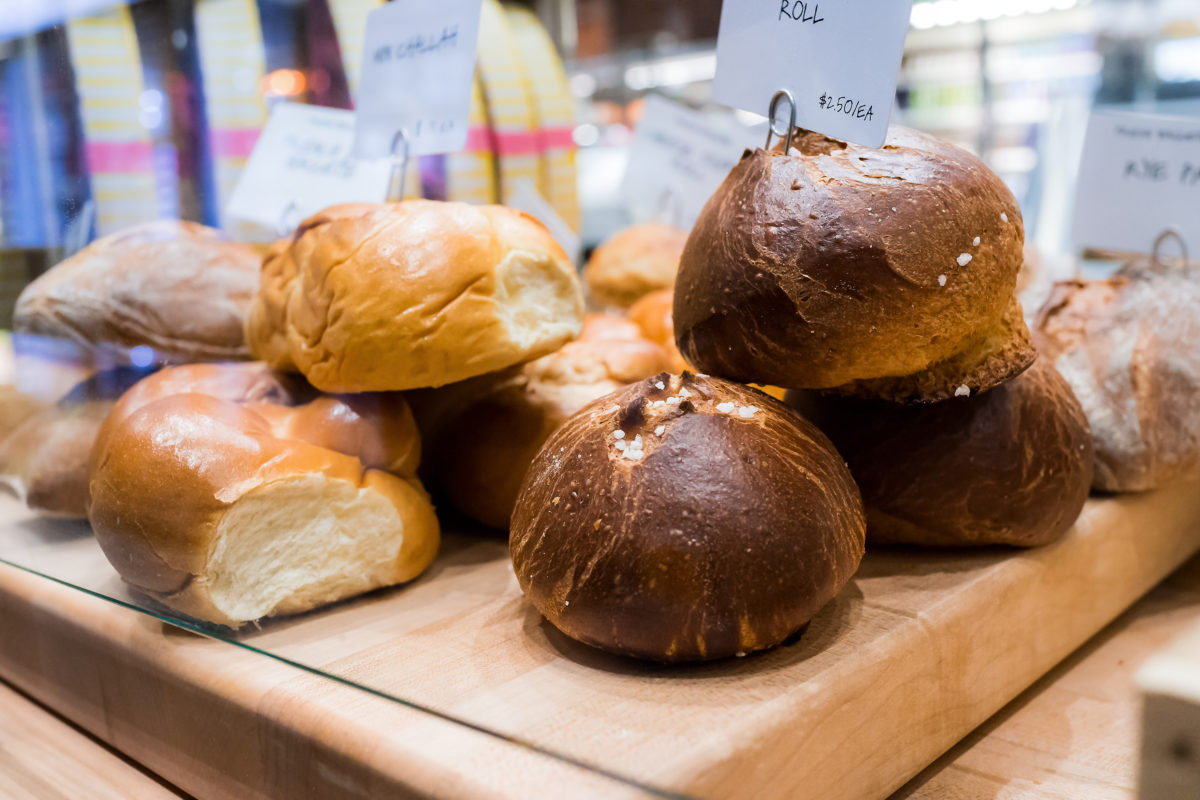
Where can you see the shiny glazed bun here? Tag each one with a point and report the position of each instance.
(232, 511)
(634, 262)
(1010, 466)
(414, 294)
(883, 273)
(685, 518)
(482, 457)
(176, 287)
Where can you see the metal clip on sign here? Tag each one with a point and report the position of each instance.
(1169, 233)
(399, 162)
(772, 121)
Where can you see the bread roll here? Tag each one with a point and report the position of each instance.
(233, 511)
(15, 408)
(176, 287)
(1010, 466)
(414, 294)
(482, 457)
(1130, 348)
(698, 520)
(883, 273)
(633, 263)
(44, 461)
(652, 313)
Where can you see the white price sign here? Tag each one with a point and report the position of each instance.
(1139, 175)
(302, 163)
(678, 159)
(838, 58)
(418, 69)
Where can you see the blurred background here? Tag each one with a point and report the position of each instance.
(113, 113)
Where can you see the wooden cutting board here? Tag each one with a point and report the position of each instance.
(919, 649)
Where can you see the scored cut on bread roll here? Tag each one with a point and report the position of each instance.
(883, 273)
(414, 294)
(1010, 466)
(685, 518)
(232, 511)
(481, 458)
(1129, 346)
(44, 461)
(178, 288)
(634, 262)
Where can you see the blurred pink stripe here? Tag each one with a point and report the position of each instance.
(119, 156)
(519, 142)
(233, 142)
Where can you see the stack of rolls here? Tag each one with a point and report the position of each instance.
(689, 517)
(239, 491)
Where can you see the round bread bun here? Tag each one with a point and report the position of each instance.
(653, 314)
(1130, 348)
(481, 458)
(1011, 466)
(882, 273)
(44, 461)
(633, 263)
(699, 520)
(414, 294)
(175, 287)
(233, 511)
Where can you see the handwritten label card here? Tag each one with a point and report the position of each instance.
(1140, 174)
(839, 59)
(678, 159)
(418, 67)
(302, 163)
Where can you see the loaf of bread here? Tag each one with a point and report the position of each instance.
(229, 511)
(177, 288)
(44, 460)
(1130, 348)
(1010, 466)
(883, 273)
(481, 458)
(633, 263)
(413, 294)
(685, 518)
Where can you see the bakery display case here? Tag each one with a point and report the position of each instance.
(483, 478)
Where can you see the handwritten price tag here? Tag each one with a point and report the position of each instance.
(418, 66)
(1139, 174)
(302, 163)
(678, 159)
(838, 59)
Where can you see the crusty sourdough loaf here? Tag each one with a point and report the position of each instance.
(1009, 466)
(1130, 348)
(176, 287)
(884, 273)
(634, 262)
(685, 518)
(232, 511)
(44, 461)
(481, 458)
(413, 294)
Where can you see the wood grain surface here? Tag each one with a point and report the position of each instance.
(43, 757)
(1076, 732)
(918, 650)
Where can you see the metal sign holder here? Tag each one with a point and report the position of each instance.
(772, 121)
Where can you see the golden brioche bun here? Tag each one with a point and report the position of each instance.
(633, 263)
(413, 294)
